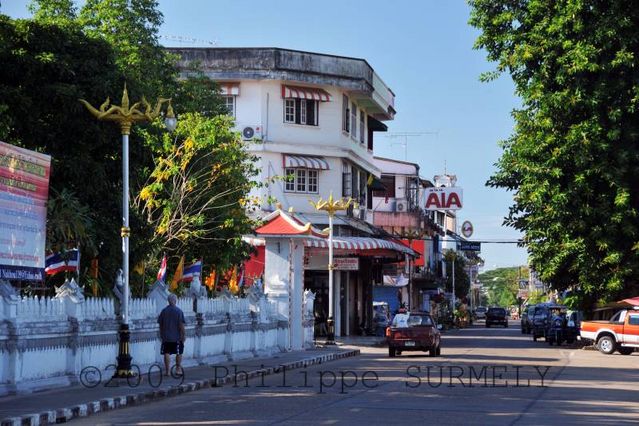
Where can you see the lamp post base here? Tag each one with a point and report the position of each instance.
(123, 369)
(330, 336)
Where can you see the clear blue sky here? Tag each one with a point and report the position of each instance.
(422, 49)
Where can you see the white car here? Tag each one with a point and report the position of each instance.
(480, 312)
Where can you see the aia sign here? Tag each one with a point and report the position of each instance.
(443, 198)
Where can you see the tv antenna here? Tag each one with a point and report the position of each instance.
(190, 40)
(404, 139)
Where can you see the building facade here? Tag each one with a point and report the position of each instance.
(311, 120)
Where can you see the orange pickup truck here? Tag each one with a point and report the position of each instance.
(620, 334)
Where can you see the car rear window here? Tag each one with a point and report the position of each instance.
(415, 320)
(497, 311)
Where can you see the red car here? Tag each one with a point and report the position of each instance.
(414, 331)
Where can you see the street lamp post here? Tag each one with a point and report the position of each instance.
(125, 116)
(331, 206)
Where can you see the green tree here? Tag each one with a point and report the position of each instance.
(462, 281)
(572, 157)
(197, 195)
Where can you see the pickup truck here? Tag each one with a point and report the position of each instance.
(414, 331)
(620, 334)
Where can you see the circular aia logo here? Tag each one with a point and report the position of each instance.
(467, 229)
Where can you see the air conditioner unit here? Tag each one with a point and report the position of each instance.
(401, 206)
(251, 132)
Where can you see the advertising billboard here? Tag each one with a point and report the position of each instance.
(446, 198)
(24, 190)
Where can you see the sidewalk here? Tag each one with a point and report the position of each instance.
(63, 404)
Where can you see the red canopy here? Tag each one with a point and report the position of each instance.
(634, 301)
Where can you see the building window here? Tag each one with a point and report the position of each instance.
(290, 180)
(302, 180)
(229, 103)
(301, 111)
(347, 181)
(389, 183)
(345, 114)
(353, 120)
(362, 126)
(313, 181)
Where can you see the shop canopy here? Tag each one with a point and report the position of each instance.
(284, 224)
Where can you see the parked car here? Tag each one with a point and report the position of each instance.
(480, 312)
(541, 317)
(620, 334)
(526, 319)
(414, 331)
(496, 316)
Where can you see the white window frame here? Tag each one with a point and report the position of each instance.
(289, 110)
(290, 107)
(312, 181)
(346, 126)
(353, 120)
(362, 127)
(289, 183)
(304, 181)
(232, 104)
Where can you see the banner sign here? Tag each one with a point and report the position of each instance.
(469, 246)
(443, 198)
(346, 263)
(24, 190)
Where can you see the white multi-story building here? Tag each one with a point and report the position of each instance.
(310, 118)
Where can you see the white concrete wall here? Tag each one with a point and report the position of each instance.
(228, 329)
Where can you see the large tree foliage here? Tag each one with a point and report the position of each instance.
(572, 158)
(45, 69)
(64, 54)
(197, 195)
(502, 285)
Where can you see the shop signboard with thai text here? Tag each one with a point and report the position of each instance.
(346, 263)
(24, 189)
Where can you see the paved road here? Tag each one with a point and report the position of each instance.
(484, 376)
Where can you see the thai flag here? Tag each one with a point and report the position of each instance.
(191, 270)
(56, 262)
(162, 271)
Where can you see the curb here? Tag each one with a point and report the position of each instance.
(63, 415)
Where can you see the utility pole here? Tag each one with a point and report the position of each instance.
(405, 136)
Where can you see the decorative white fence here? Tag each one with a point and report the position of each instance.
(34, 328)
(97, 308)
(35, 309)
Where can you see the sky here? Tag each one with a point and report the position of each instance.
(422, 49)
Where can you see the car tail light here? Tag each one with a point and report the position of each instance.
(388, 333)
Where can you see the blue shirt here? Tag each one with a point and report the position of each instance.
(170, 319)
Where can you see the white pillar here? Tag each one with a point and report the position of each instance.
(337, 298)
(125, 225)
(347, 302)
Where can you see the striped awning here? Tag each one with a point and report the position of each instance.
(359, 244)
(229, 89)
(345, 243)
(306, 93)
(304, 161)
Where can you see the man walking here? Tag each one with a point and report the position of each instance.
(172, 333)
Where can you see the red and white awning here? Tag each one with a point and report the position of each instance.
(345, 243)
(359, 244)
(229, 89)
(306, 162)
(311, 93)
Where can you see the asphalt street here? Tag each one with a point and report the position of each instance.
(484, 377)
